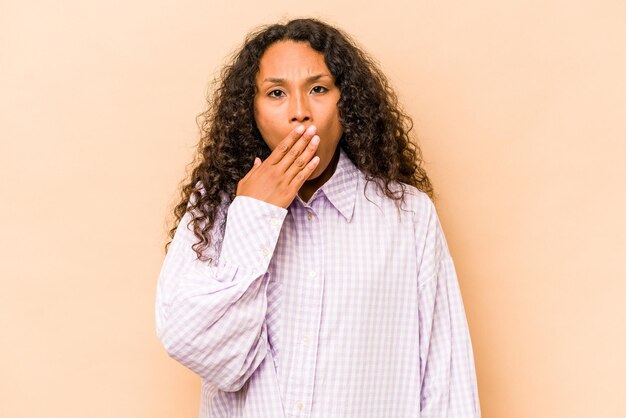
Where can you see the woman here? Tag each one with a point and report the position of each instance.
(308, 273)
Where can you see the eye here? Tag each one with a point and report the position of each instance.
(319, 89)
(275, 93)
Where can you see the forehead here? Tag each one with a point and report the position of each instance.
(288, 58)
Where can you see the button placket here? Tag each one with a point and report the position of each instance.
(300, 387)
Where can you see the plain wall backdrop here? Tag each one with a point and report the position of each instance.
(520, 109)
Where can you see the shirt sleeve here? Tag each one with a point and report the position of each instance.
(210, 317)
(448, 376)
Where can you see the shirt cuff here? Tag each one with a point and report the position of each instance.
(252, 230)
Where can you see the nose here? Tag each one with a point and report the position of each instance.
(299, 109)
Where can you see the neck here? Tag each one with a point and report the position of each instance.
(309, 187)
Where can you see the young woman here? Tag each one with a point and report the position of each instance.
(308, 273)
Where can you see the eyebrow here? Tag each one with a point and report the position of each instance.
(309, 79)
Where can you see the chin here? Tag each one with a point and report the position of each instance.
(314, 176)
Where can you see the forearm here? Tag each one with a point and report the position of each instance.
(212, 318)
(448, 375)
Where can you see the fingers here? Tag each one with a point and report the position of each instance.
(289, 148)
(285, 145)
(297, 149)
(303, 175)
(300, 163)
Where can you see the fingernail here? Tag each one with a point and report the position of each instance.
(311, 129)
(315, 140)
(300, 129)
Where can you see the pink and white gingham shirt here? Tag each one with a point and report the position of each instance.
(342, 307)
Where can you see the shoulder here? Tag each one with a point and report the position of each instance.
(427, 227)
(416, 201)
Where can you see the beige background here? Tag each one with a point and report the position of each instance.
(520, 107)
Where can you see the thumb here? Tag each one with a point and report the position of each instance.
(255, 165)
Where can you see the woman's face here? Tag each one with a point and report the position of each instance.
(295, 87)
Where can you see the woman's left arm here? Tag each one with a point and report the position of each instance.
(448, 376)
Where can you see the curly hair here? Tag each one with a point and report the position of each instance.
(375, 137)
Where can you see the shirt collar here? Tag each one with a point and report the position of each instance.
(341, 188)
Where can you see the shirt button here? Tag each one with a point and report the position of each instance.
(299, 405)
(306, 340)
(309, 216)
(274, 221)
(265, 251)
(312, 274)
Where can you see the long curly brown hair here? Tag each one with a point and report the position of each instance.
(375, 138)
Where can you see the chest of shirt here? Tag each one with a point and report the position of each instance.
(345, 272)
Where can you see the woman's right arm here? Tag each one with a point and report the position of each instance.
(211, 317)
